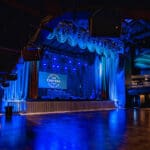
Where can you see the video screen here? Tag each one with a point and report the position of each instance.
(142, 59)
(52, 80)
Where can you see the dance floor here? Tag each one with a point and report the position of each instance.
(124, 129)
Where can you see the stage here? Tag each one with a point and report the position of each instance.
(69, 70)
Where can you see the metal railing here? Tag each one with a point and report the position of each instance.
(51, 106)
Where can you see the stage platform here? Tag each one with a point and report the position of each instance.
(66, 106)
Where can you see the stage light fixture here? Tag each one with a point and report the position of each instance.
(65, 68)
(74, 69)
(85, 64)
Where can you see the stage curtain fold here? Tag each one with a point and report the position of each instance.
(33, 80)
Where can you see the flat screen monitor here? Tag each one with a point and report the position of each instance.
(142, 59)
(52, 80)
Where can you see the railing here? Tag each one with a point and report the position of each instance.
(56, 106)
(139, 85)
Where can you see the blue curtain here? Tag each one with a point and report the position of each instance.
(16, 93)
(98, 77)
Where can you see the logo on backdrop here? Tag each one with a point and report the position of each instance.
(53, 80)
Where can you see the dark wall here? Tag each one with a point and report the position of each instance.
(16, 27)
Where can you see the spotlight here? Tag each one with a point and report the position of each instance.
(85, 64)
(65, 68)
(44, 64)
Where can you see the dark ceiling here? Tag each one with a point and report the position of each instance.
(20, 19)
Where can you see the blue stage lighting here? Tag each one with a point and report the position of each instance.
(44, 64)
(54, 58)
(65, 68)
(85, 64)
(79, 63)
(128, 20)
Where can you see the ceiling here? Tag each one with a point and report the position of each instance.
(21, 18)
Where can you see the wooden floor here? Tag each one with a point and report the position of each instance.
(120, 129)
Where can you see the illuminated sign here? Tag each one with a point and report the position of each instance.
(51, 80)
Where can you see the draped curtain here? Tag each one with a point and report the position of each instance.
(98, 77)
(18, 89)
(106, 76)
(17, 92)
(33, 80)
(113, 67)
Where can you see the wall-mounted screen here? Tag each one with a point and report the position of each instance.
(52, 80)
(142, 60)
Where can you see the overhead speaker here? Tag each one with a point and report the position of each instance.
(105, 22)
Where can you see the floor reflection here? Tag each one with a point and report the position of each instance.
(103, 130)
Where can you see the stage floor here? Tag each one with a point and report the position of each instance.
(101, 130)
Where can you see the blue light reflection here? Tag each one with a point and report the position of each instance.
(81, 131)
(75, 131)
